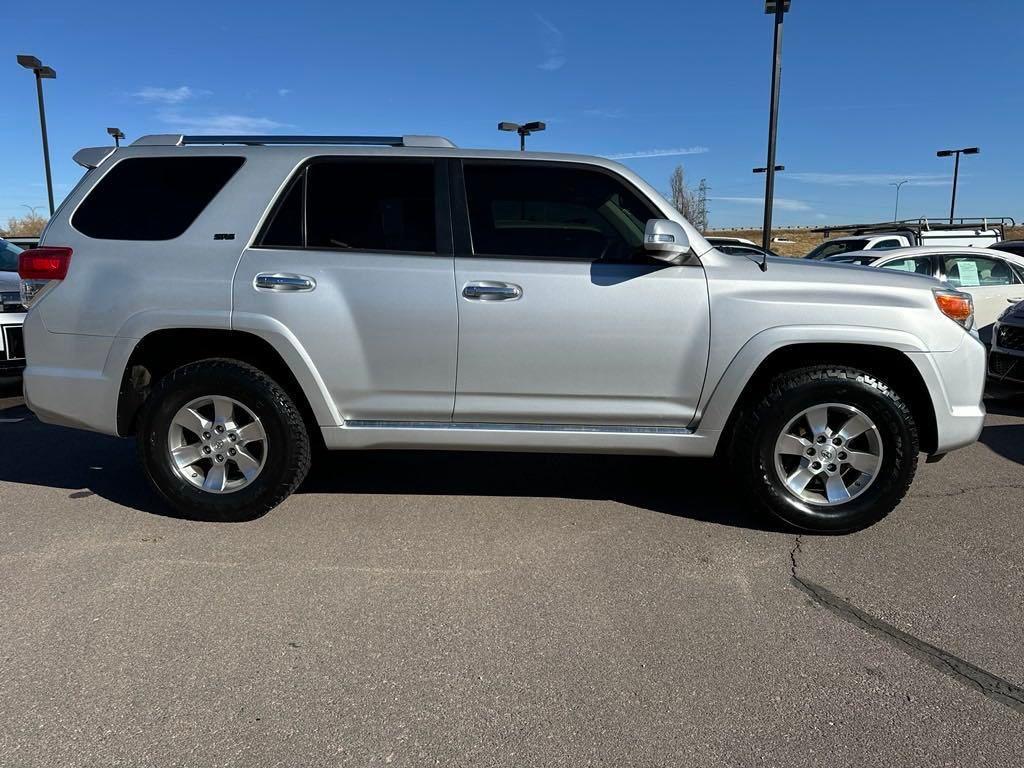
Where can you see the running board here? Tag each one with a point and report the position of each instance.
(446, 426)
(552, 438)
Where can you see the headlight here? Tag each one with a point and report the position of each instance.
(957, 306)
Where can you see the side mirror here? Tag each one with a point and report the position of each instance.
(666, 240)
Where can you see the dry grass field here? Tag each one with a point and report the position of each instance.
(798, 242)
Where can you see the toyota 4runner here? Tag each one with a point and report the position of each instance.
(235, 302)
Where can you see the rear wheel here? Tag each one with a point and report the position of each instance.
(220, 440)
(829, 449)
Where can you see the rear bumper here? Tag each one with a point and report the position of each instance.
(73, 380)
(956, 384)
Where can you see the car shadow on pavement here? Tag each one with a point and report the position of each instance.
(85, 463)
(698, 489)
(1006, 440)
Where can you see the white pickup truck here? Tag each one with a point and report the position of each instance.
(972, 233)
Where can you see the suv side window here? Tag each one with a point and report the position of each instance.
(371, 205)
(374, 204)
(153, 198)
(883, 245)
(553, 211)
(977, 271)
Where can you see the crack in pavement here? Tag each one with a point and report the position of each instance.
(992, 686)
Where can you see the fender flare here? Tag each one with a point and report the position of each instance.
(720, 401)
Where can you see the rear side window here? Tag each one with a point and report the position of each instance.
(152, 198)
(358, 205)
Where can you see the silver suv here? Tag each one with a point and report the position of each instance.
(237, 301)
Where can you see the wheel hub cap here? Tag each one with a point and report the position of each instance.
(216, 444)
(828, 454)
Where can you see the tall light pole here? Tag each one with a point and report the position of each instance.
(778, 8)
(41, 72)
(956, 171)
(117, 134)
(896, 213)
(523, 130)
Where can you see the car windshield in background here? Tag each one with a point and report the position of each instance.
(9, 257)
(825, 250)
(861, 260)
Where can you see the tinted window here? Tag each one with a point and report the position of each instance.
(920, 265)
(285, 227)
(376, 205)
(8, 256)
(977, 271)
(152, 198)
(551, 212)
(839, 246)
(883, 245)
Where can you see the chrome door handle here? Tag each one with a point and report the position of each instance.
(485, 290)
(280, 281)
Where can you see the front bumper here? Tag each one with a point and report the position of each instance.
(956, 384)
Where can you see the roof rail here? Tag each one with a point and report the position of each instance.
(922, 223)
(255, 140)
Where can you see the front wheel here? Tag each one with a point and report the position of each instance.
(221, 440)
(829, 449)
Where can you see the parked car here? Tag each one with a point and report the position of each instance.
(739, 246)
(23, 241)
(1006, 360)
(1015, 247)
(12, 313)
(858, 258)
(841, 245)
(962, 233)
(991, 277)
(232, 300)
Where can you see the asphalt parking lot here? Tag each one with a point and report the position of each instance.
(509, 610)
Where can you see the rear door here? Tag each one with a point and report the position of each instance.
(356, 262)
(563, 320)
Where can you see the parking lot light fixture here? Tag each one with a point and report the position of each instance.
(956, 170)
(42, 72)
(523, 130)
(896, 213)
(778, 9)
(117, 134)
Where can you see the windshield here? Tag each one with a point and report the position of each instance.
(836, 246)
(8, 256)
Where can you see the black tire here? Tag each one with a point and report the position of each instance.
(752, 446)
(285, 463)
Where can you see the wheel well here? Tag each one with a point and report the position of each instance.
(162, 351)
(888, 365)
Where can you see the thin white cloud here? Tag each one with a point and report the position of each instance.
(610, 114)
(220, 123)
(658, 153)
(869, 179)
(283, 91)
(782, 203)
(552, 43)
(151, 94)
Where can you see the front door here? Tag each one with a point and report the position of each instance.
(356, 263)
(562, 318)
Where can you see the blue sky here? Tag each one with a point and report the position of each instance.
(870, 89)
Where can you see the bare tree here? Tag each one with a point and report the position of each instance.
(683, 198)
(29, 225)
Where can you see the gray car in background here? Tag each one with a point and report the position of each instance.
(12, 313)
(234, 301)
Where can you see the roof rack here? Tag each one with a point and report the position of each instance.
(923, 223)
(255, 140)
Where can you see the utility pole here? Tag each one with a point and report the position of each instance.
(702, 204)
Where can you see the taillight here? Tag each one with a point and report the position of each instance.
(46, 263)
